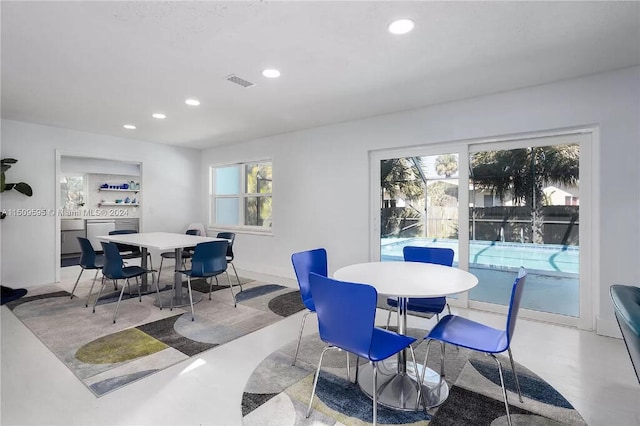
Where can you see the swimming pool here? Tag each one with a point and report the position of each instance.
(557, 260)
(553, 281)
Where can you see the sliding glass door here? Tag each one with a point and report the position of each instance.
(499, 206)
(524, 210)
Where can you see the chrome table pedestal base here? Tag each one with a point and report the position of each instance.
(399, 391)
(183, 300)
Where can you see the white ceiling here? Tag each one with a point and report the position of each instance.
(94, 66)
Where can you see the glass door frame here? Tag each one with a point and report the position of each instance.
(589, 231)
(375, 157)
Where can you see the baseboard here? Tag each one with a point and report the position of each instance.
(609, 328)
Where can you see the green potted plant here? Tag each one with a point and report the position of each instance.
(21, 187)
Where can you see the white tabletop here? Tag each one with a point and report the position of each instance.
(409, 279)
(158, 240)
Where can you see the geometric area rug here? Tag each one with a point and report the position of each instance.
(144, 340)
(278, 393)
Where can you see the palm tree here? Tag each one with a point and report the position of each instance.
(447, 165)
(523, 173)
(400, 177)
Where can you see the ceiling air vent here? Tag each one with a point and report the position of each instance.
(237, 80)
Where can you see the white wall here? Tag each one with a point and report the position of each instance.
(170, 178)
(321, 176)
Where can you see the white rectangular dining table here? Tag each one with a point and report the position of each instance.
(396, 385)
(163, 241)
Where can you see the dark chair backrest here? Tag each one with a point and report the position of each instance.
(112, 268)
(209, 258)
(231, 237)
(87, 253)
(346, 313)
(626, 304)
(125, 247)
(437, 255)
(194, 232)
(305, 262)
(514, 303)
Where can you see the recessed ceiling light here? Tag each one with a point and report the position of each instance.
(401, 26)
(159, 116)
(271, 73)
(192, 102)
(129, 127)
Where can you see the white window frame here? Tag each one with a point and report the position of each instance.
(589, 140)
(241, 196)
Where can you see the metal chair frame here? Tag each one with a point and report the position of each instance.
(338, 302)
(305, 262)
(501, 341)
(113, 269)
(208, 261)
(88, 260)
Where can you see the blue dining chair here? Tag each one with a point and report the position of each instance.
(230, 237)
(305, 262)
(428, 305)
(187, 252)
(128, 251)
(473, 335)
(208, 261)
(88, 260)
(115, 270)
(346, 321)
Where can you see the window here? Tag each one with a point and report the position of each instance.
(72, 192)
(240, 195)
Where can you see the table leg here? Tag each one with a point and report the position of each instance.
(397, 380)
(145, 288)
(180, 298)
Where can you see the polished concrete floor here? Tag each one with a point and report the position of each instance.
(593, 372)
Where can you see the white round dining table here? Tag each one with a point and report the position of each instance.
(397, 384)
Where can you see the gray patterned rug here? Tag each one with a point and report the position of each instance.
(145, 339)
(278, 394)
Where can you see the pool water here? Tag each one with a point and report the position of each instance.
(557, 259)
(552, 284)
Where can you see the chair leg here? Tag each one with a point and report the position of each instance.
(357, 368)
(315, 381)
(295, 356)
(158, 293)
(173, 289)
(160, 270)
(77, 280)
(236, 272)
(104, 283)
(139, 292)
(231, 288)
(151, 265)
(86, 305)
(504, 389)
(119, 299)
(515, 376)
(389, 319)
(426, 356)
(193, 315)
(211, 285)
(418, 382)
(375, 393)
(348, 368)
(443, 347)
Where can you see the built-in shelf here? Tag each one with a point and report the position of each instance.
(110, 203)
(118, 190)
